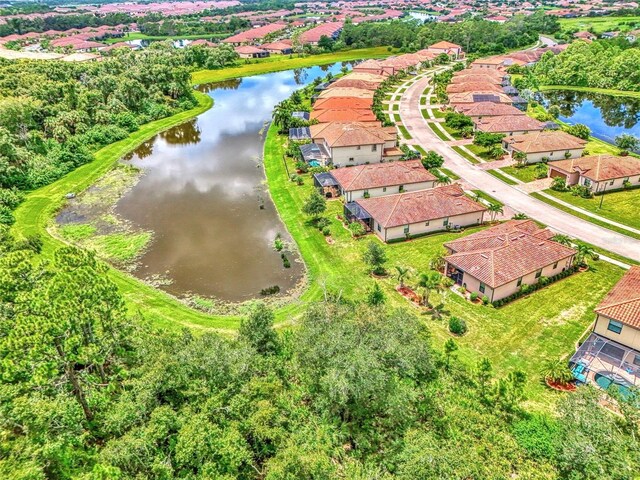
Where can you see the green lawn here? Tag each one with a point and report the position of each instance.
(499, 176)
(519, 335)
(482, 152)
(487, 197)
(437, 113)
(277, 63)
(451, 131)
(404, 131)
(142, 36)
(584, 217)
(600, 24)
(528, 173)
(425, 114)
(465, 154)
(436, 129)
(449, 173)
(423, 100)
(620, 206)
(606, 91)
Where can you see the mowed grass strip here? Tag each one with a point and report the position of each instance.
(465, 154)
(499, 176)
(438, 131)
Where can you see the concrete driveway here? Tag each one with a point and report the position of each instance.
(519, 201)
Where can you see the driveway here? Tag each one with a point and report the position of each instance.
(519, 201)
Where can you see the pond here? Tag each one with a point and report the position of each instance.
(606, 115)
(203, 195)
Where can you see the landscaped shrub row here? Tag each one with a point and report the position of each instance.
(542, 282)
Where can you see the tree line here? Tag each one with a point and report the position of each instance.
(356, 391)
(55, 115)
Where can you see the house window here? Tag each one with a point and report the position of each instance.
(481, 287)
(358, 147)
(551, 154)
(445, 222)
(406, 229)
(539, 273)
(374, 148)
(587, 182)
(401, 188)
(519, 282)
(555, 265)
(351, 159)
(615, 327)
(379, 228)
(426, 224)
(636, 360)
(384, 189)
(611, 182)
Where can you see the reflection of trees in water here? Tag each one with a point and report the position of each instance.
(186, 134)
(615, 111)
(300, 75)
(143, 151)
(231, 84)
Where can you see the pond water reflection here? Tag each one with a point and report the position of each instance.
(204, 197)
(606, 115)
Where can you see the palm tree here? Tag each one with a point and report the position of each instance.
(562, 239)
(403, 273)
(494, 210)
(443, 180)
(520, 216)
(582, 252)
(429, 281)
(520, 158)
(281, 114)
(557, 371)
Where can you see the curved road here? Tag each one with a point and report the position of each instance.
(557, 220)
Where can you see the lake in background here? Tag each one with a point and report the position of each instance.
(202, 190)
(606, 115)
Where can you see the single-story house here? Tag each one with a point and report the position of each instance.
(339, 103)
(474, 87)
(376, 180)
(398, 216)
(611, 354)
(282, 47)
(496, 262)
(343, 115)
(508, 124)
(451, 49)
(588, 36)
(352, 82)
(600, 173)
(482, 96)
(491, 63)
(487, 109)
(356, 143)
(550, 145)
(347, 92)
(249, 51)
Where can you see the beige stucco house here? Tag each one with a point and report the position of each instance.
(377, 180)
(508, 124)
(611, 354)
(547, 144)
(600, 173)
(418, 213)
(496, 262)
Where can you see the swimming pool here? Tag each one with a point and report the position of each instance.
(605, 381)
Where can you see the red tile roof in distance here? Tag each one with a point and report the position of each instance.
(622, 303)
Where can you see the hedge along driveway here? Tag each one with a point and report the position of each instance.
(35, 213)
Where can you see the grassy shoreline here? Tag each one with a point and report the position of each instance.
(278, 63)
(605, 91)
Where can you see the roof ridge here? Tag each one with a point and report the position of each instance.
(616, 304)
(393, 209)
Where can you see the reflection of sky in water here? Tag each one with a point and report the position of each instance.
(588, 114)
(201, 191)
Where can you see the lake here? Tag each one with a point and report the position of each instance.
(606, 115)
(203, 195)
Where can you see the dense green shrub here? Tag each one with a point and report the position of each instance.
(457, 326)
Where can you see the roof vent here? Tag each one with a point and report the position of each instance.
(483, 255)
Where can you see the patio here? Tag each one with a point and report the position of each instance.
(603, 362)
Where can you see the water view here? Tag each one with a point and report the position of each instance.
(606, 115)
(203, 195)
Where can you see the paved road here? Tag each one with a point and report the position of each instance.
(557, 220)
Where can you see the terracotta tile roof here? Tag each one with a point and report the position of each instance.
(488, 109)
(248, 50)
(445, 45)
(477, 77)
(343, 115)
(601, 167)
(255, 33)
(337, 103)
(362, 177)
(277, 46)
(351, 134)
(502, 254)
(486, 72)
(508, 123)
(420, 206)
(472, 97)
(489, 61)
(622, 303)
(347, 92)
(354, 83)
(366, 76)
(314, 34)
(545, 141)
(473, 87)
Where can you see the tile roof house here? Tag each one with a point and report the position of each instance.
(347, 92)
(399, 216)
(254, 34)
(497, 261)
(550, 145)
(343, 115)
(473, 87)
(598, 172)
(479, 96)
(338, 103)
(350, 82)
(611, 354)
(282, 47)
(313, 35)
(451, 49)
(356, 143)
(381, 179)
(249, 51)
(508, 124)
(487, 109)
